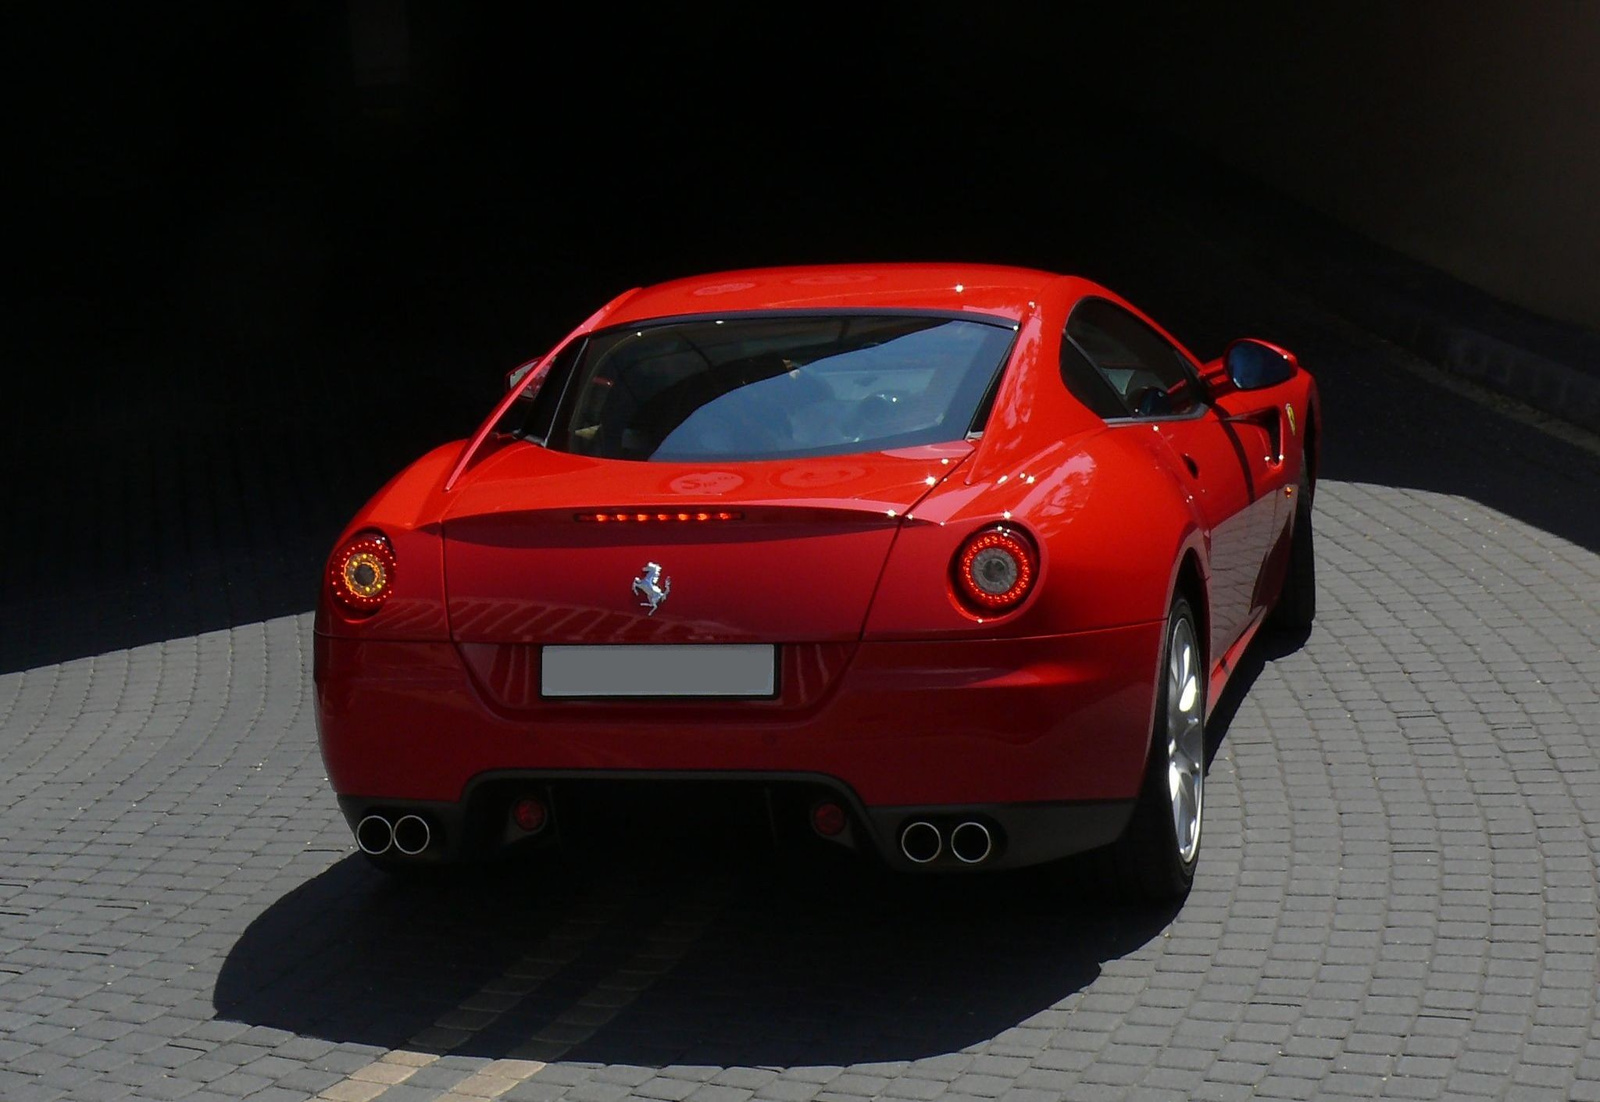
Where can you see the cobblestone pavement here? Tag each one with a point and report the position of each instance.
(1397, 896)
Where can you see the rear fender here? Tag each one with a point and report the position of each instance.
(1110, 524)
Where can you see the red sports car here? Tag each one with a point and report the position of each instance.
(944, 563)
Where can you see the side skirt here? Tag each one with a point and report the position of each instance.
(1223, 670)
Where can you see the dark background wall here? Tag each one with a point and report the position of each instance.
(388, 187)
(426, 190)
(1464, 133)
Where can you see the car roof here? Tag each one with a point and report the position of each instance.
(981, 288)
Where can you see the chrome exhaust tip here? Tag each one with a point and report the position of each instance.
(921, 842)
(972, 843)
(412, 834)
(374, 835)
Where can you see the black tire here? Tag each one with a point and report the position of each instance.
(1149, 858)
(1297, 601)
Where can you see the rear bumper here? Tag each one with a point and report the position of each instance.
(768, 805)
(1045, 736)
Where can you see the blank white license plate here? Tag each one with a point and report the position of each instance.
(713, 669)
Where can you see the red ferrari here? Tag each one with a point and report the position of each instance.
(942, 563)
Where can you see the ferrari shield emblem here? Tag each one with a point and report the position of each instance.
(1288, 409)
(652, 586)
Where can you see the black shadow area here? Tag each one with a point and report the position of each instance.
(726, 961)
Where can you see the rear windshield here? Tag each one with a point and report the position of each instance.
(770, 387)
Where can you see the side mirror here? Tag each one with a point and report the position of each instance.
(1253, 364)
(515, 377)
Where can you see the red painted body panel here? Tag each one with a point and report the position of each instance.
(887, 682)
(820, 527)
(983, 288)
(987, 721)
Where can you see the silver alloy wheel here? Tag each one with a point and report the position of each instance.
(1186, 738)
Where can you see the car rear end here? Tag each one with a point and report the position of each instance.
(662, 588)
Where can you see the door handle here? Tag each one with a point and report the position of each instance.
(1188, 461)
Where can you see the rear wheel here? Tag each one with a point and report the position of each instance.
(1162, 845)
(1297, 602)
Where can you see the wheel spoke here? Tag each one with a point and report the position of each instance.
(1185, 739)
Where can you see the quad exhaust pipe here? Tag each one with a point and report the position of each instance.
(412, 834)
(972, 843)
(375, 835)
(408, 835)
(922, 842)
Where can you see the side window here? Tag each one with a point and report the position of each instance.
(1148, 375)
(1087, 384)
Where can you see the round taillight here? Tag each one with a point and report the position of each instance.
(361, 574)
(994, 569)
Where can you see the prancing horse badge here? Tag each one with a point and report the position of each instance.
(653, 587)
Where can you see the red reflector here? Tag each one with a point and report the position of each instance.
(828, 820)
(637, 517)
(529, 815)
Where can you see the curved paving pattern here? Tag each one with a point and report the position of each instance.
(1397, 899)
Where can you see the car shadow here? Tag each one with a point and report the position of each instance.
(719, 955)
(716, 957)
